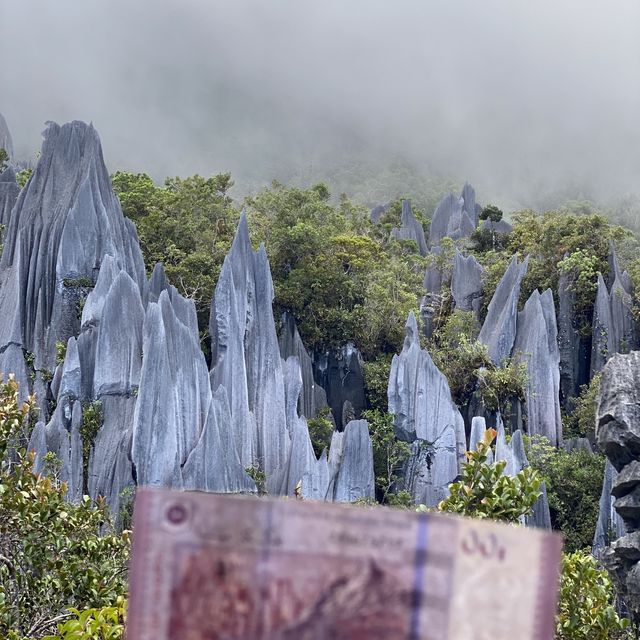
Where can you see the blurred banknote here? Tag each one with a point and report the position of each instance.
(211, 567)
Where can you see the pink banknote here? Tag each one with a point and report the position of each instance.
(211, 567)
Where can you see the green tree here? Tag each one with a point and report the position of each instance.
(330, 271)
(574, 482)
(52, 553)
(188, 224)
(4, 159)
(389, 454)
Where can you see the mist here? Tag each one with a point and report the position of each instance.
(523, 99)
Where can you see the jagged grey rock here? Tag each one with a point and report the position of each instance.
(341, 374)
(514, 455)
(38, 445)
(610, 525)
(499, 328)
(420, 401)
(246, 356)
(536, 345)
(472, 209)
(119, 345)
(618, 435)
(577, 444)
(628, 479)
(313, 398)
(63, 223)
(450, 221)
(466, 283)
(618, 415)
(433, 275)
(602, 329)
(6, 141)
(213, 464)
(355, 479)
(377, 212)
(410, 229)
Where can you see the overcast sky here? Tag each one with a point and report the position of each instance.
(513, 95)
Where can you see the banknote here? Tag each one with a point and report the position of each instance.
(212, 567)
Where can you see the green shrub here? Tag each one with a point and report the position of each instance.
(388, 455)
(484, 492)
(585, 611)
(320, 431)
(465, 362)
(376, 382)
(574, 483)
(52, 555)
(581, 421)
(106, 623)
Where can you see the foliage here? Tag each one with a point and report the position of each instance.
(51, 554)
(581, 421)
(376, 381)
(546, 238)
(259, 477)
(4, 159)
(586, 595)
(320, 431)
(22, 177)
(91, 423)
(187, 224)
(484, 492)
(392, 217)
(61, 351)
(106, 623)
(468, 368)
(574, 482)
(81, 282)
(582, 267)
(498, 386)
(492, 213)
(330, 271)
(388, 455)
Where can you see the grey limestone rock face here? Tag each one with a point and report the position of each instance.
(466, 283)
(341, 375)
(613, 328)
(313, 397)
(536, 345)
(410, 229)
(499, 328)
(469, 206)
(602, 328)
(618, 435)
(246, 357)
(213, 464)
(433, 276)
(514, 455)
(618, 415)
(377, 212)
(6, 141)
(454, 217)
(424, 414)
(64, 221)
(355, 478)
